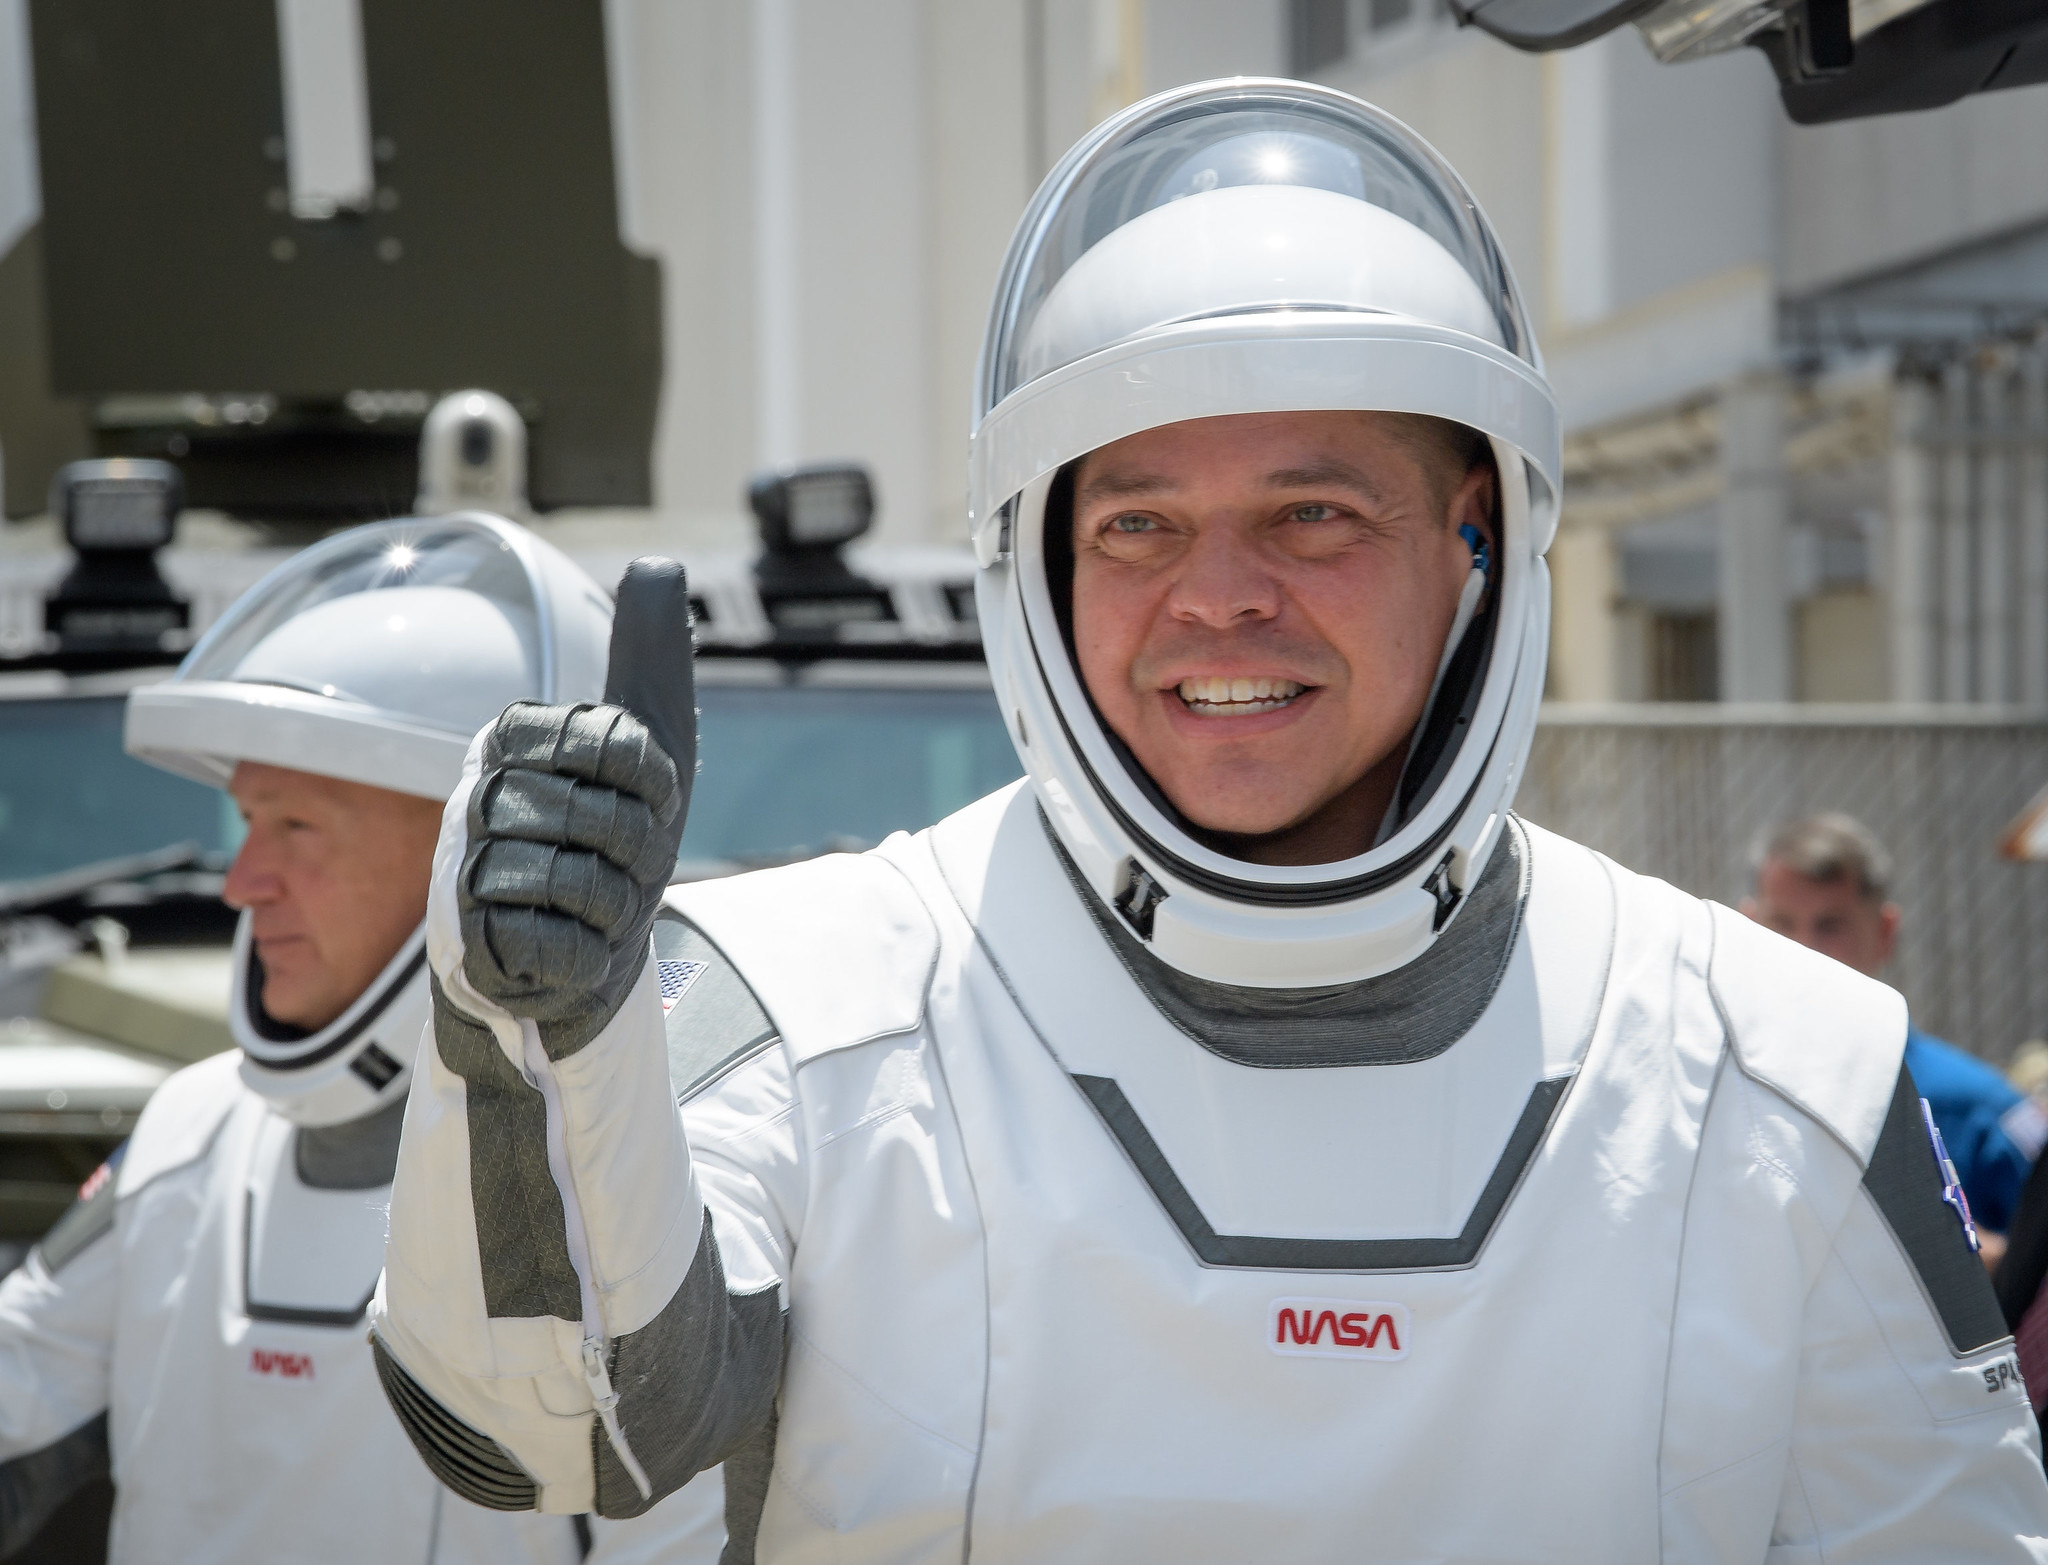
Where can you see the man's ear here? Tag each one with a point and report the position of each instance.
(1472, 504)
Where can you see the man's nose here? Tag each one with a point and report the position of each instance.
(251, 880)
(1224, 580)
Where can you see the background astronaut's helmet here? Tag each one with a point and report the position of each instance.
(1241, 247)
(374, 657)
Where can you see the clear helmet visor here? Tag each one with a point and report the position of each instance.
(375, 655)
(439, 620)
(1242, 199)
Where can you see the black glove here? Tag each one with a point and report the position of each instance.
(573, 830)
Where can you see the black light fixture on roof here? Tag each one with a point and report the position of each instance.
(114, 605)
(819, 507)
(807, 515)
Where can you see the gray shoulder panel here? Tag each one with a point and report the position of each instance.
(521, 1232)
(695, 1384)
(87, 1220)
(34, 1485)
(714, 1020)
(1907, 1186)
(468, 1461)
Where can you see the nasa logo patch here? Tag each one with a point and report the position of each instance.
(1951, 1182)
(280, 1364)
(1337, 1329)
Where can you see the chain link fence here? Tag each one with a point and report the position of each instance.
(1685, 792)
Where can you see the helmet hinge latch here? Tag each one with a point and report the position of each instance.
(1447, 893)
(377, 1068)
(1140, 898)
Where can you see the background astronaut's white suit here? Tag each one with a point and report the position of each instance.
(196, 1322)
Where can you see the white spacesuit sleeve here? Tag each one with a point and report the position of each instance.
(567, 1321)
(56, 1343)
(1912, 1438)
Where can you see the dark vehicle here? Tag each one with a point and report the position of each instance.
(835, 707)
(113, 941)
(800, 759)
(98, 853)
(836, 704)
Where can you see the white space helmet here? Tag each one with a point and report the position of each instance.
(373, 656)
(1254, 246)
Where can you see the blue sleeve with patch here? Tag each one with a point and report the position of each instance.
(1971, 1104)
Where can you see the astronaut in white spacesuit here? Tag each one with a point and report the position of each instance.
(196, 1321)
(1242, 1139)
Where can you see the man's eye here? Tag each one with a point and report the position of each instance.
(1314, 513)
(1131, 524)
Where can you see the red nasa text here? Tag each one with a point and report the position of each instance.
(1337, 1328)
(276, 1364)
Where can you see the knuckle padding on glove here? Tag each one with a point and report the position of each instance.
(558, 880)
(526, 951)
(596, 744)
(542, 807)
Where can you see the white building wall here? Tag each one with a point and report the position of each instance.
(1637, 202)
(1693, 162)
(1198, 40)
(1869, 194)
(829, 188)
(839, 240)
(1482, 106)
(1661, 225)
(681, 83)
(983, 167)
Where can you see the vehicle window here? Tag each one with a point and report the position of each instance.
(70, 795)
(788, 772)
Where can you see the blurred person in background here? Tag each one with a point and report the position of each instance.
(1825, 881)
(193, 1326)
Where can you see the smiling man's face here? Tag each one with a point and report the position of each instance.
(1260, 603)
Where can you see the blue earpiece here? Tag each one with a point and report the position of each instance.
(1482, 556)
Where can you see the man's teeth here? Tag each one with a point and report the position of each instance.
(1235, 697)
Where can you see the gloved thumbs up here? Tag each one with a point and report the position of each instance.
(575, 821)
(652, 672)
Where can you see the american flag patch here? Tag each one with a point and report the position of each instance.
(676, 978)
(97, 1181)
